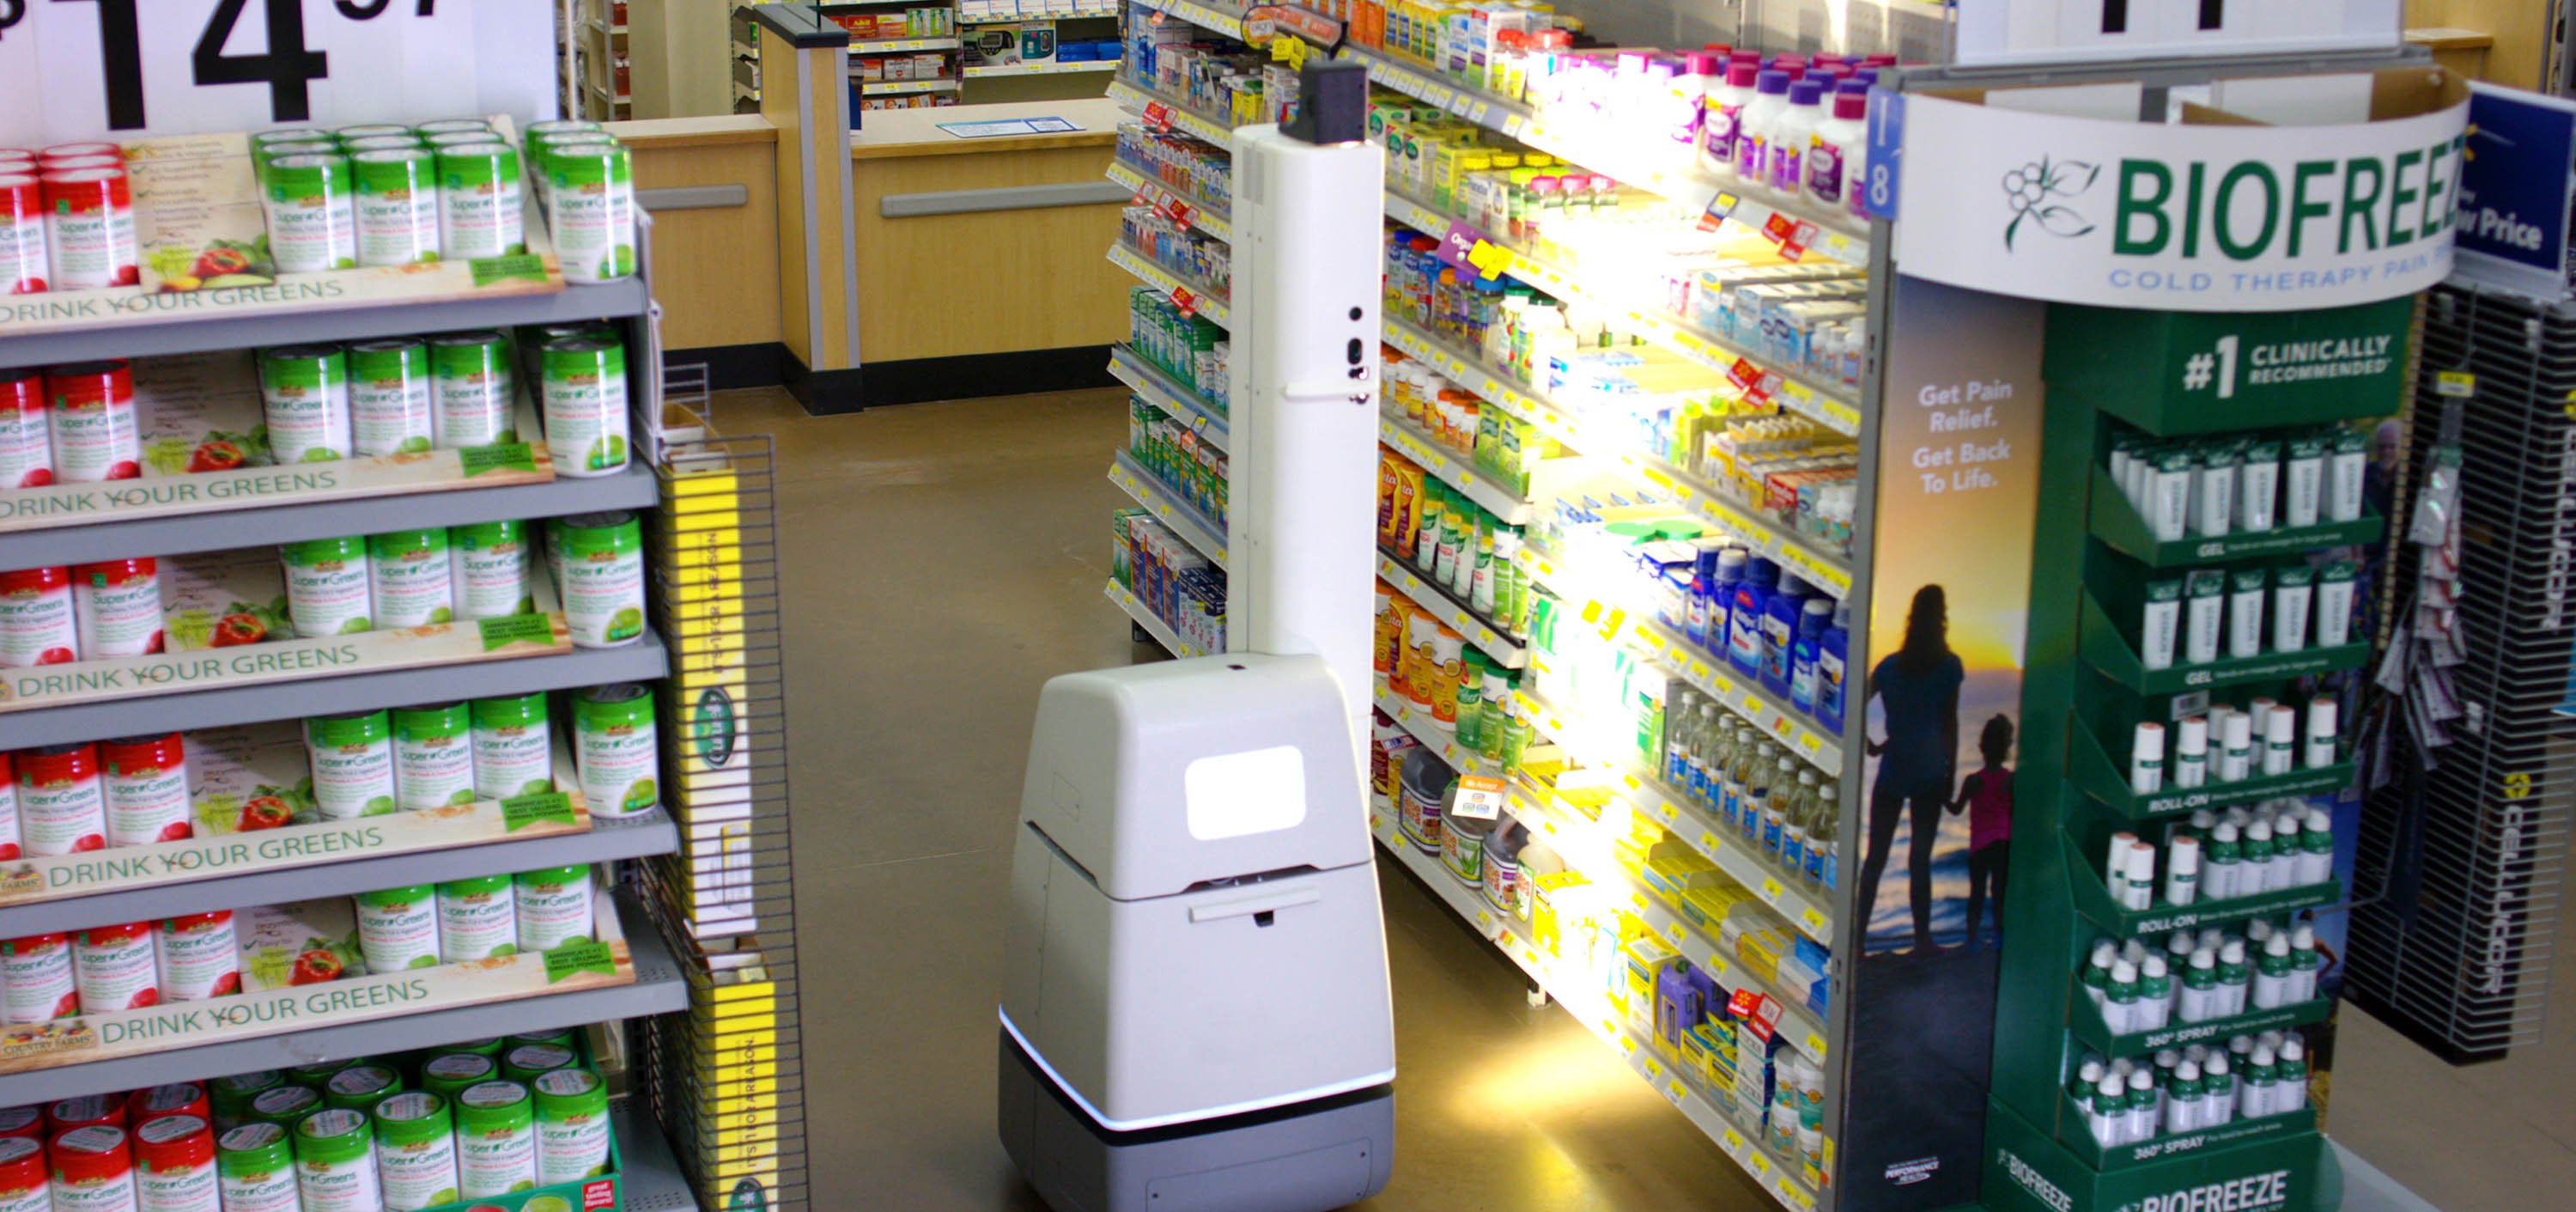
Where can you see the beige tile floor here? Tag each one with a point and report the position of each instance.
(941, 562)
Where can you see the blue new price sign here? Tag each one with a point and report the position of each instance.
(2515, 190)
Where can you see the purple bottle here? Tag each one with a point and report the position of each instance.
(1753, 132)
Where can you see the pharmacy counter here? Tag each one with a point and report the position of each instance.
(980, 259)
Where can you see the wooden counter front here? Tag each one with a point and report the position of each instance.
(1024, 279)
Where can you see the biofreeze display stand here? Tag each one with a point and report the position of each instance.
(2171, 282)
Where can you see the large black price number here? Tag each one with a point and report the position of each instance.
(288, 67)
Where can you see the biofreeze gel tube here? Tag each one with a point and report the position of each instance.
(2204, 609)
(2162, 623)
(2214, 493)
(2245, 612)
(2258, 487)
(2344, 471)
(2305, 481)
(2170, 495)
(2334, 604)
(2290, 610)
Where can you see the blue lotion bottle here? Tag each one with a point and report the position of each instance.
(1703, 582)
(1721, 599)
(1831, 650)
(1814, 620)
(1780, 633)
(1744, 622)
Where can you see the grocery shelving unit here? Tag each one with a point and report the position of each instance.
(1018, 48)
(634, 972)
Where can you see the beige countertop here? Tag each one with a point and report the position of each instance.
(915, 132)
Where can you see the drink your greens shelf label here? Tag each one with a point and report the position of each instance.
(2221, 212)
(30, 880)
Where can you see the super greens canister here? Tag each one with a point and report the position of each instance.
(23, 1187)
(554, 907)
(584, 400)
(397, 204)
(513, 748)
(601, 578)
(491, 569)
(284, 1105)
(471, 394)
(590, 208)
(450, 126)
(616, 750)
(353, 764)
(496, 1139)
(326, 586)
(478, 918)
(335, 1162)
(416, 1151)
(528, 1062)
(359, 1086)
(232, 1094)
(413, 583)
(304, 396)
(433, 756)
(572, 1126)
(174, 1165)
(398, 929)
(390, 397)
(479, 213)
(449, 1074)
(255, 1165)
(370, 130)
(312, 218)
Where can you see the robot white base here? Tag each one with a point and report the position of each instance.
(1304, 1157)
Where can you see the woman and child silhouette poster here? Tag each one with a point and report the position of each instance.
(1957, 499)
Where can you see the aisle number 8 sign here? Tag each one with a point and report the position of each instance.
(80, 69)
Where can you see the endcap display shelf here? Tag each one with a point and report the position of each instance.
(645, 980)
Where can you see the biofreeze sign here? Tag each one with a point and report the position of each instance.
(2200, 217)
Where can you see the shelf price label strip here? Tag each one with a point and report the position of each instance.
(1494, 643)
(1185, 521)
(1229, 24)
(1184, 295)
(1453, 469)
(1148, 380)
(1151, 622)
(1174, 205)
(1712, 353)
(1718, 1124)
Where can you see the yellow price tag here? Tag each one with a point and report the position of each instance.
(1760, 1164)
(1631, 780)
(1734, 1141)
(1488, 260)
(1674, 931)
(1290, 50)
(1654, 1068)
(1814, 920)
(1811, 741)
(2456, 384)
(1815, 1045)
(1484, 919)
(1612, 1029)
(1770, 888)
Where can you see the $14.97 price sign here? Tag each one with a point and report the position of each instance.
(73, 70)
